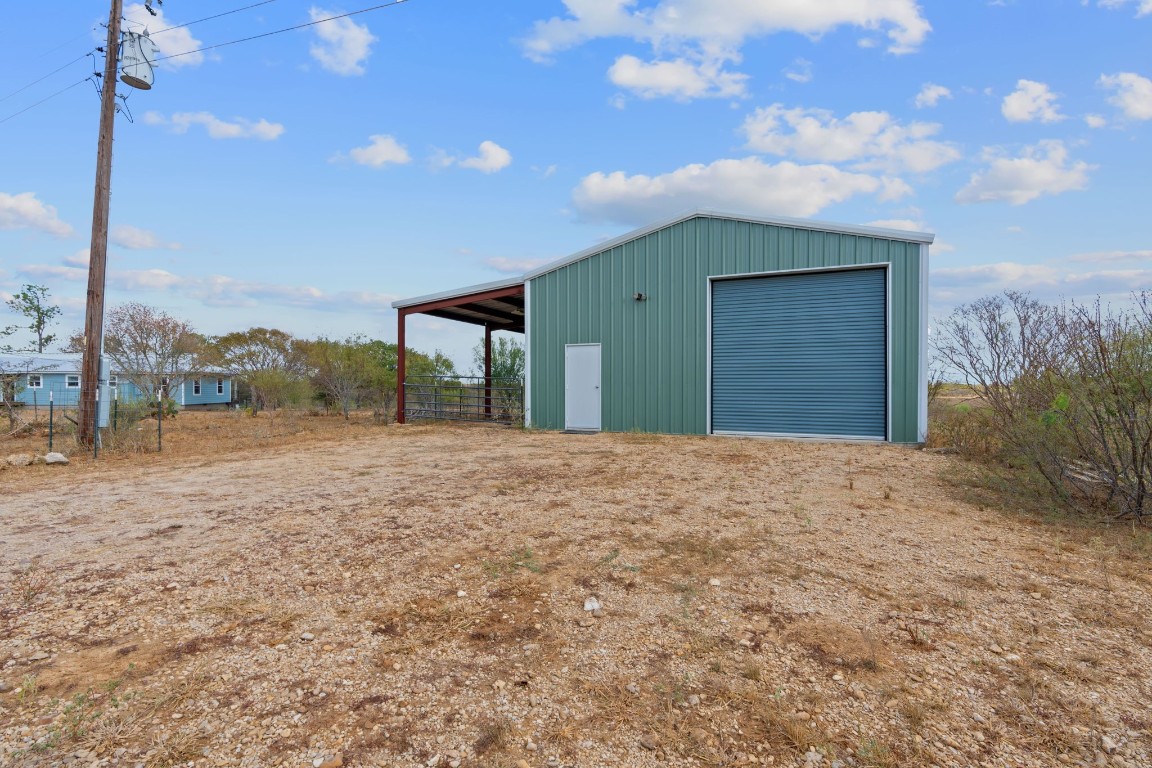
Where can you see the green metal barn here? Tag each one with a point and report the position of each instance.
(719, 324)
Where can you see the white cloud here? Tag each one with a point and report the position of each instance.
(25, 211)
(1143, 7)
(800, 71)
(1111, 257)
(679, 79)
(491, 159)
(223, 291)
(382, 150)
(930, 95)
(1031, 101)
(709, 23)
(747, 185)
(871, 140)
(513, 266)
(1050, 282)
(1133, 94)
(78, 259)
(1041, 169)
(1095, 121)
(695, 39)
(343, 46)
(135, 238)
(239, 128)
(173, 42)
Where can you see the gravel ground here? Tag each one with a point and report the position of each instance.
(435, 596)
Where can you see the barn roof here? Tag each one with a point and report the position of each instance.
(462, 294)
(704, 213)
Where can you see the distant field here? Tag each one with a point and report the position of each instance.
(295, 590)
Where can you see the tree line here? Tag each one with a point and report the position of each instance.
(149, 348)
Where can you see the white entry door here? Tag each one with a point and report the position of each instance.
(582, 386)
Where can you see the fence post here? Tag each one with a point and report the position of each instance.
(50, 425)
(96, 426)
(159, 420)
(116, 409)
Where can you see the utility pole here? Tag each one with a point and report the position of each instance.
(98, 253)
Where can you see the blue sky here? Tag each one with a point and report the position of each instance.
(305, 180)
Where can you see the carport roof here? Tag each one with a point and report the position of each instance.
(498, 305)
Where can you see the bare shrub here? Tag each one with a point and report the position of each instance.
(1067, 389)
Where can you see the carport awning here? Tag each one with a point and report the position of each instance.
(497, 306)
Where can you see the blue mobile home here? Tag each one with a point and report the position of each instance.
(56, 377)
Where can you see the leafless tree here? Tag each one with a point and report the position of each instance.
(151, 349)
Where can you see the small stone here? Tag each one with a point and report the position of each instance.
(329, 648)
(1108, 745)
(433, 761)
(714, 582)
(591, 604)
(18, 460)
(693, 700)
(1035, 595)
(453, 764)
(631, 688)
(522, 764)
(598, 613)
(587, 622)
(40, 656)
(995, 648)
(307, 637)
(648, 743)
(55, 457)
(462, 593)
(530, 745)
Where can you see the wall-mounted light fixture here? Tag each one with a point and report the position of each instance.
(640, 296)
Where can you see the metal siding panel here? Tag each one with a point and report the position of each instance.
(800, 354)
(655, 352)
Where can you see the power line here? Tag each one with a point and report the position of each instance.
(62, 90)
(286, 29)
(20, 90)
(69, 42)
(209, 18)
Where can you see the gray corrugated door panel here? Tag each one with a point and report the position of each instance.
(801, 354)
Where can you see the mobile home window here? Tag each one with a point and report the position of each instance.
(72, 381)
(219, 386)
(196, 387)
(35, 381)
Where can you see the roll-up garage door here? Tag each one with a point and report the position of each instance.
(801, 354)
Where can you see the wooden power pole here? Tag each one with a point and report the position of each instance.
(98, 253)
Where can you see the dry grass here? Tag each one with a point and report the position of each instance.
(761, 600)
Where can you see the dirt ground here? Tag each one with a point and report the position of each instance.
(269, 593)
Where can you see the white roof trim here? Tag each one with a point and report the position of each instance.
(779, 221)
(480, 288)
